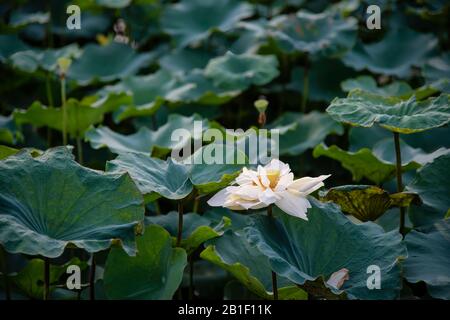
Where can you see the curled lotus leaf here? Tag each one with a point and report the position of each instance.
(403, 116)
(367, 203)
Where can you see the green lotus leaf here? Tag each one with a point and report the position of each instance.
(10, 44)
(184, 60)
(115, 4)
(384, 150)
(197, 229)
(208, 176)
(240, 71)
(80, 114)
(6, 151)
(431, 184)
(196, 88)
(20, 19)
(429, 141)
(296, 250)
(323, 85)
(429, 258)
(234, 253)
(362, 164)
(107, 63)
(437, 68)
(238, 220)
(32, 60)
(369, 84)
(191, 21)
(367, 203)
(50, 202)
(365, 109)
(148, 93)
(30, 280)
(154, 177)
(153, 274)
(300, 132)
(437, 73)
(9, 132)
(400, 50)
(319, 34)
(155, 142)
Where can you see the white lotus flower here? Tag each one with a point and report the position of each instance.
(271, 184)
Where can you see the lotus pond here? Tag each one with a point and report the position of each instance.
(128, 167)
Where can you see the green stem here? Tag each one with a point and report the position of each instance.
(191, 277)
(274, 275)
(305, 88)
(92, 278)
(180, 223)
(46, 278)
(157, 208)
(5, 274)
(80, 150)
(63, 101)
(49, 90)
(398, 157)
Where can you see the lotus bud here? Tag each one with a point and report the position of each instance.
(63, 66)
(261, 105)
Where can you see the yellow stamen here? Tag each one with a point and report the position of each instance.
(273, 175)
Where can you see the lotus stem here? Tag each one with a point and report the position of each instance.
(5, 274)
(49, 91)
(46, 278)
(80, 150)
(305, 86)
(63, 101)
(180, 223)
(191, 277)
(398, 158)
(92, 278)
(274, 275)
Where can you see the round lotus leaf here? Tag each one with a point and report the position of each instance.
(50, 202)
(197, 229)
(362, 163)
(156, 142)
(32, 60)
(367, 203)
(80, 114)
(369, 84)
(429, 258)
(429, 141)
(194, 87)
(296, 250)
(431, 183)
(318, 34)
(235, 254)
(403, 116)
(240, 71)
(400, 50)
(191, 21)
(154, 273)
(323, 85)
(154, 177)
(9, 132)
(300, 132)
(107, 63)
(148, 93)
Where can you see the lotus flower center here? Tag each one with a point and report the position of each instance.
(273, 176)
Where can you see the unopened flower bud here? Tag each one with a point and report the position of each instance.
(63, 66)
